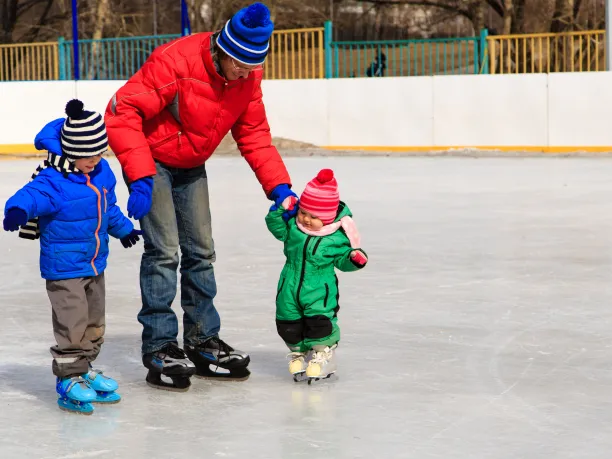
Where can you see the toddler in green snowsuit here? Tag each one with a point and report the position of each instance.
(320, 237)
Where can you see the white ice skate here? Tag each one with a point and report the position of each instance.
(297, 364)
(322, 363)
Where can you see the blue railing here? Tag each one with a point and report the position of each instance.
(108, 58)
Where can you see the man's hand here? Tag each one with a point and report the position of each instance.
(279, 195)
(141, 197)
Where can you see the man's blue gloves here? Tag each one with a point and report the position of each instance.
(14, 218)
(131, 239)
(278, 195)
(141, 196)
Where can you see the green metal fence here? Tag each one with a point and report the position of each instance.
(108, 58)
(299, 53)
(439, 56)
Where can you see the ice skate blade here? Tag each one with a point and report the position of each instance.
(82, 413)
(234, 375)
(222, 378)
(178, 384)
(168, 388)
(312, 379)
(69, 406)
(109, 398)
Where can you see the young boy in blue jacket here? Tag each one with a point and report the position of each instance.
(70, 205)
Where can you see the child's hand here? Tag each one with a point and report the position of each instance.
(359, 257)
(14, 218)
(131, 239)
(290, 204)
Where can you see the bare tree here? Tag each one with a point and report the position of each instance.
(14, 11)
(28, 20)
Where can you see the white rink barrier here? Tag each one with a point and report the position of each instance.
(539, 112)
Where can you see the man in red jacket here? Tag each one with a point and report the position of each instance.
(163, 125)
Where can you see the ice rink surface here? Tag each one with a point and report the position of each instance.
(479, 330)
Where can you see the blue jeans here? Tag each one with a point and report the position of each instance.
(179, 217)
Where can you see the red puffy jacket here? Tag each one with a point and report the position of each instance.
(177, 109)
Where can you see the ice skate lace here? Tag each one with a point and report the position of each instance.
(296, 356)
(172, 351)
(224, 348)
(321, 356)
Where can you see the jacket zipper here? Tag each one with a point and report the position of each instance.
(337, 308)
(105, 199)
(216, 118)
(281, 288)
(167, 139)
(303, 273)
(317, 245)
(99, 223)
(326, 295)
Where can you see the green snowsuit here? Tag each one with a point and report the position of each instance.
(307, 293)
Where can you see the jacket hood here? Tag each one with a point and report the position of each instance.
(343, 211)
(49, 137)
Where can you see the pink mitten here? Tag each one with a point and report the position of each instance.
(359, 257)
(289, 202)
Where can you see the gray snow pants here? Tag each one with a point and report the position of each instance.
(78, 323)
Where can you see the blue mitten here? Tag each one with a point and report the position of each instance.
(14, 218)
(131, 239)
(141, 197)
(278, 195)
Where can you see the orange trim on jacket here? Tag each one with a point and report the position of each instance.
(93, 265)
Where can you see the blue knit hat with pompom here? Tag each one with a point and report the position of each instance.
(246, 35)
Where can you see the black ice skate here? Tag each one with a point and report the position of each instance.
(172, 362)
(215, 359)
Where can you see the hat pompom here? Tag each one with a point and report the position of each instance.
(325, 175)
(256, 15)
(74, 109)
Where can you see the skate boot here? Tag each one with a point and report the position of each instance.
(297, 365)
(75, 395)
(104, 386)
(215, 359)
(172, 362)
(322, 363)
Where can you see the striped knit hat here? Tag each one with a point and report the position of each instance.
(246, 35)
(84, 133)
(321, 198)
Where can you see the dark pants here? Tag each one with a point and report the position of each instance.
(179, 217)
(78, 323)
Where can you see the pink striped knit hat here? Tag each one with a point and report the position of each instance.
(321, 198)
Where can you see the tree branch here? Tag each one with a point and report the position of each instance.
(497, 7)
(428, 3)
(25, 6)
(33, 32)
(577, 5)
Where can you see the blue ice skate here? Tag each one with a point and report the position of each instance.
(104, 386)
(75, 395)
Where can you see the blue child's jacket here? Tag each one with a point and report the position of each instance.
(77, 213)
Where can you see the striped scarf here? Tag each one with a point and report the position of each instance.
(61, 164)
